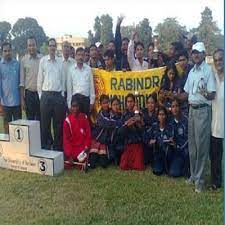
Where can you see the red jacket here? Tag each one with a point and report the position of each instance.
(76, 135)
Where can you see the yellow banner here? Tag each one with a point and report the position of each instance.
(140, 83)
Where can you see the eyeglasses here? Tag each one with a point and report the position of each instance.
(182, 60)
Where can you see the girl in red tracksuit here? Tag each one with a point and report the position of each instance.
(76, 132)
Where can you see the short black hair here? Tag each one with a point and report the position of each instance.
(162, 108)
(176, 100)
(183, 53)
(153, 95)
(109, 53)
(130, 95)
(112, 41)
(33, 38)
(151, 44)
(80, 49)
(6, 44)
(92, 45)
(51, 39)
(138, 44)
(76, 98)
(125, 39)
(87, 49)
(218, 50)
(103, 97)
(115, 98)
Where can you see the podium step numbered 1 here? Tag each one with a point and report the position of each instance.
(21, 150)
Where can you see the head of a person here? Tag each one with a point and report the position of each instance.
(86, 54)
(93, 51)
(66, 49)
(183, 59)
(104, 102)
(175, 107)
(75, 105)
(191, 40)
(218, 57)
(171, 50)
(150, 49)
(7, 51)
(198, 53)
(100, 48)
(115, 104)
(124, 45)
(139, 49)
(32, 45)
(151, 102)
(109, 59)
(80, 55)
(52, 46)
(162, 114)
(112, 46)
(130, 101)
(72, 52)
(171, 71)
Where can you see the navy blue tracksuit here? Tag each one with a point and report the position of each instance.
(161, 149)
(180, 157)
(149, 121)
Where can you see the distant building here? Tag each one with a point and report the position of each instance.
(76, 42)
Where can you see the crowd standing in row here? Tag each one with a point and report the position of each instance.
(61, 90)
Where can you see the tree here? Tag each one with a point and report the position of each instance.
(5, 28)
(97, 29)
(106, 29)
(169, 31)
(144, 32)
(90, 39)
(22, 29)
(126, 31)
(208, 31)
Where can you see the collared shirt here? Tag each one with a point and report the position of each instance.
(98, 64)
(198, 74)
(9, 82)
(80, 81)
(135, 64)
(29, 71)
(218, 109)
(50, 75)
(66, 65)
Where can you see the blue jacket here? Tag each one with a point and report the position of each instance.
(149, 120)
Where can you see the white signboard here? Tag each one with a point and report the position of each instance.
(21, 150)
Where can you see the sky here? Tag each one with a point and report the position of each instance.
(59, 17)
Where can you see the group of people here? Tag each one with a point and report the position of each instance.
(175, 133)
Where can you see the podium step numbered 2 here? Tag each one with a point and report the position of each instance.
(21, 150)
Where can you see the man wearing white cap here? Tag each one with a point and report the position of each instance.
(200, 89)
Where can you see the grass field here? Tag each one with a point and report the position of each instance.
(104, 197)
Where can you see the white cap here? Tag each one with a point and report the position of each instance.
(199, 46)
(97, 44)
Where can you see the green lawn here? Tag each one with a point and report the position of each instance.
(103, 197)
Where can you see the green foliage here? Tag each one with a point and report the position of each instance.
(5, 28)
(144, 32)
(169, 31)
(90, 39)
(106, 29)
(126, 31)
(22, 29)
(97, 29)
(209, 32)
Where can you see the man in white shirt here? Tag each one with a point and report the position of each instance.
(216, 150)
(200, 89)
(51, 87)
(80, 82)
(138, 63)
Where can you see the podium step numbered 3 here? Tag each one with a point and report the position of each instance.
(21, 150)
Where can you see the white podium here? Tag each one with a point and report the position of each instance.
(21, 150)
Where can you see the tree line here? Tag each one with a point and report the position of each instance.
(169, 30)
